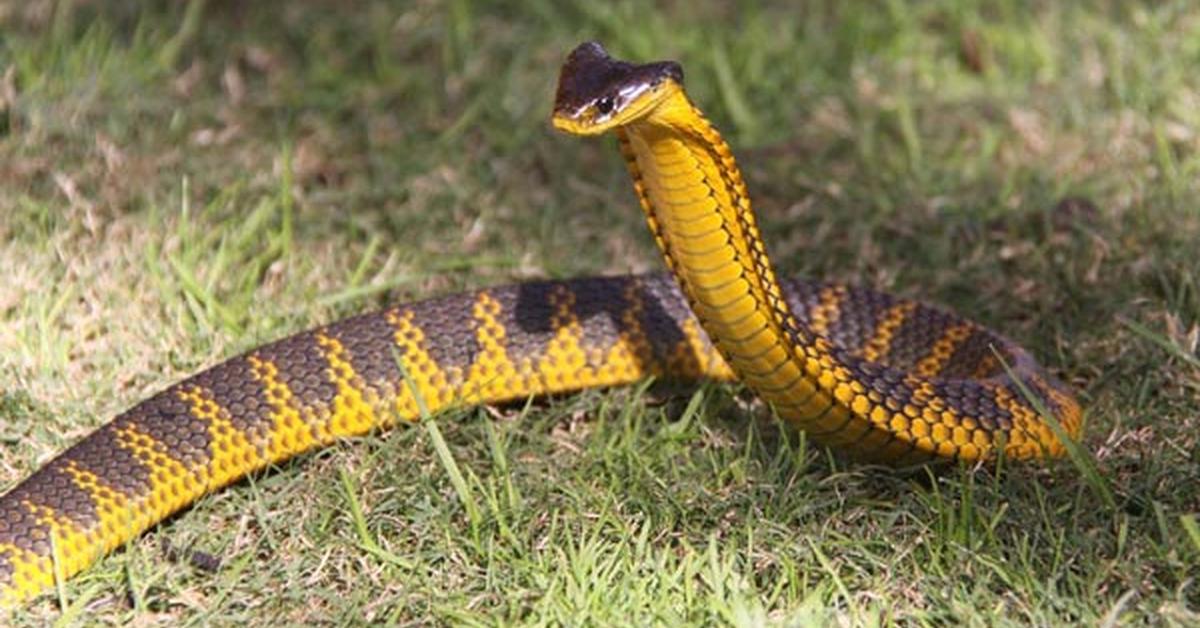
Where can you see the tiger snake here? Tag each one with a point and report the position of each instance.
(885, 378)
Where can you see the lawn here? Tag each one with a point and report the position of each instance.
(181, 184)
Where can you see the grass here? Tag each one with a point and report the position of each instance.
(184, 183)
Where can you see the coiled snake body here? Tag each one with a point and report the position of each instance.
(886, 378)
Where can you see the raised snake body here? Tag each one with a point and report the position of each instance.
(886, 378)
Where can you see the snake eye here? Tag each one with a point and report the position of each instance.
(606, 105)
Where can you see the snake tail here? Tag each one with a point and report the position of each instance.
(337, 381)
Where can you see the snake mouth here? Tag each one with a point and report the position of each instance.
(597, 93)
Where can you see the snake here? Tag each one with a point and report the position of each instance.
(884, 378)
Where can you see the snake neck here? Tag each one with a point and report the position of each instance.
(828, 369)
(698, 209)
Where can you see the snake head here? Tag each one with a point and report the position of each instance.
(597, 92)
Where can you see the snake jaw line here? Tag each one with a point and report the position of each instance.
(597, 93)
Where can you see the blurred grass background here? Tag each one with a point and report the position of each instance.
(184, 182)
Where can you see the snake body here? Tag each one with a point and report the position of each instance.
(886, 378)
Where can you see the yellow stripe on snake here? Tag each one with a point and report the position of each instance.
(885, 378)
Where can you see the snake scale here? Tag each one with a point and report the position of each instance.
(885, 378)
